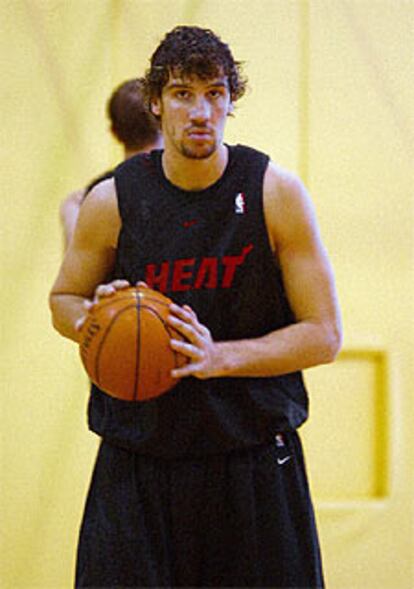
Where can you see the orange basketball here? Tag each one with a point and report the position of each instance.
(125, 345)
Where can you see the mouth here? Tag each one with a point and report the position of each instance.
(199, 134)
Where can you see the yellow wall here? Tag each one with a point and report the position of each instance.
(331, 97)
(361, 174)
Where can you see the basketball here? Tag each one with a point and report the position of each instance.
(125, 345)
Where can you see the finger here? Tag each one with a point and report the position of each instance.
(104, 290)
(189, 327)
(142, 284)
(181, 311)
(190, 310)
(185, 314)
(191, 332)
(190, 350)
(187, 370)
(119, 284)
(80, 323)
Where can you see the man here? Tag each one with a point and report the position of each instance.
(206, 485)
(136, 129)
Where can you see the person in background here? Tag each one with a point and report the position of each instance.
(136, 129)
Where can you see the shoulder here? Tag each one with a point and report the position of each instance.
(98, 179)
(102, 196)
(282, 185)
(288, 207)
(99, 216)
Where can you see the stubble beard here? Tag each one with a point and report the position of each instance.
(199, 152)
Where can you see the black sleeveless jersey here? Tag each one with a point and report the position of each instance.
(209, 249)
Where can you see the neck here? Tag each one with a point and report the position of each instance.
(194, 174)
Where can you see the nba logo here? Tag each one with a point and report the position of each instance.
(240, 204)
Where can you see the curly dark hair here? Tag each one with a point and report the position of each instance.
(131, 121)
(191, 51)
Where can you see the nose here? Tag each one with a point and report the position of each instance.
(200, 110)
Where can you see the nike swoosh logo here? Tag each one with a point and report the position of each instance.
(283, 460)
(190, 223)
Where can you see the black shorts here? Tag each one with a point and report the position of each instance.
(241, 519)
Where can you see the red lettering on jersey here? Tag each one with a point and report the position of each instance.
(184, 276)
(179, 274)
(207, 274)
(231, 263)
(161, 279)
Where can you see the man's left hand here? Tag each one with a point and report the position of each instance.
(202, 352)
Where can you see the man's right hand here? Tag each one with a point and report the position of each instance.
(101, 291)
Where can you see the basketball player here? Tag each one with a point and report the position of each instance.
(206, 485)
(133, 125)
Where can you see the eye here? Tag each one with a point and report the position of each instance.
(215, 94)
(182, 94)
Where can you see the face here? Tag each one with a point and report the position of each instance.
(193, 114)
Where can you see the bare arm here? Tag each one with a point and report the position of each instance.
(315, 337)
(88, 261)
(68, 213)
